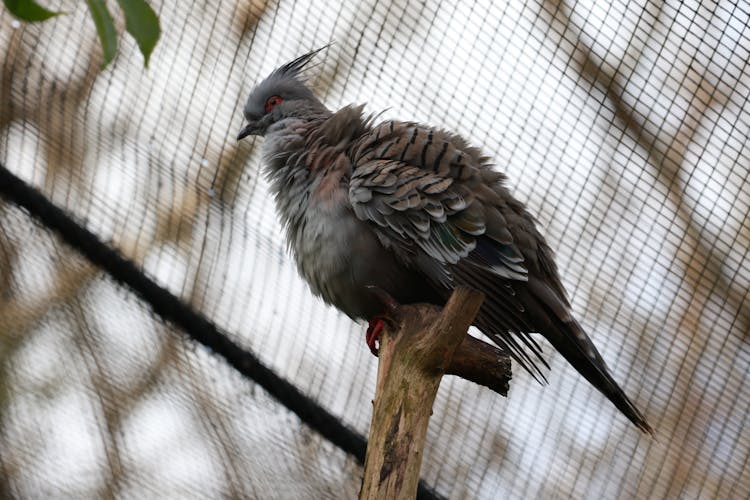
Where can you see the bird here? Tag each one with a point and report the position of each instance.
(416, 211)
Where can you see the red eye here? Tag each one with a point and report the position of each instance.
(272, 102)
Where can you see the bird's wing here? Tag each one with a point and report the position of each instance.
(436, 203)
(429, 196)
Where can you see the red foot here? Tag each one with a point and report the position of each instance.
(374, 329)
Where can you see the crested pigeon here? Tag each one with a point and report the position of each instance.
(415, 211)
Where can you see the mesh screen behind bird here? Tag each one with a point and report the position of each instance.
(623, 127)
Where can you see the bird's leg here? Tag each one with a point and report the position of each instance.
(374, 329)
(376, 324)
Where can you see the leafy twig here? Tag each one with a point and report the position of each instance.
(140, 21)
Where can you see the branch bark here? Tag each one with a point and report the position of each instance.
(483, 364)
(416, 349)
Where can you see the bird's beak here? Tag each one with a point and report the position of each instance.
(250, 129)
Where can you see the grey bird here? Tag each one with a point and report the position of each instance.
(415, 211)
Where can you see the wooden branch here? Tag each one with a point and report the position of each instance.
(415, 351)
(483, 364)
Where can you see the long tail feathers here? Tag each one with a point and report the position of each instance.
(551, 317)
(580, 352)
(554, 321)
(512, 309)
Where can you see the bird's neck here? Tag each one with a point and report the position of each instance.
(307, 160)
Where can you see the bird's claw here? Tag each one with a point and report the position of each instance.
(374, 329)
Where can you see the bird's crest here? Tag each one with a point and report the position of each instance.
(294, 68)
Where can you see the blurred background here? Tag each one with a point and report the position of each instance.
(623, 126)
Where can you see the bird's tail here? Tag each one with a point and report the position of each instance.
(533, 306)
(571, 341)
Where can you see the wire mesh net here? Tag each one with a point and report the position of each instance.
(623, 126)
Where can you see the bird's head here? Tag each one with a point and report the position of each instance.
(283, 94)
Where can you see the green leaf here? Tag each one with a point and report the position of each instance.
(142, 23)
(105, 26)
(28, 10)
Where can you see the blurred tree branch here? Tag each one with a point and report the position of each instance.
(111, 407)
(664, 154)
